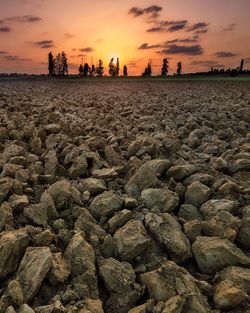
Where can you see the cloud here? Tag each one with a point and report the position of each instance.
(135, 11)
(208, 63)
(198, 27)
(45, 44)
(132, 64)
(21, 19)
(184, 40)
(225, 54)
(87, 49)
(185, 50)
(15, 58)
(145, 46)
(81, 55)
(152, 11)
(5, 29)
(155, 29)
(247, 60)
(201, 31)
(68, 35)
(230, 27)
(176, 27)
(3, 52)
(168, 26)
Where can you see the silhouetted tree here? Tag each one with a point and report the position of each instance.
(112, 68)
(80, 70)
(61, 64)
(125, 71)
(117, 68)
(100, 69)
(164, 70)
(64, 61)
(241, 65)
(179, 68)
(51, 66)
(86, 69)
(92, 72)
(148, 71)
(58, 65)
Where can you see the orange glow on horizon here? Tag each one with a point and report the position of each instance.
(104, 29)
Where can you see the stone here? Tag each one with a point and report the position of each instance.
(193, 229)
(220, 165)
(43, 239)
(196, 194)
(48, 204)
(205, 179)
(106, 204)
(53, 128)
(230, 190)
(118, 220)
(85, 222)
(25, 309)
(60, 193)
(80, 255)
(159, 165)
(51, 163)
(210, 208)
(223, 225)
(241, 165)
(143, 144)
(6, 217)
(105, 173)
(232, 285)
(96, 143)
(108, 248)
(32, 270)
(144, 308)
(94, 186)
(168, 233)
(14, 291)
(130, 202)
(36, 146)
(36, 214)
(10, 309)
(18, 203)
(171, 280)
(173, 305)
(92, 306)
(12, 248)
(162, 199)
(244, 231)
(131, 240)
(228, 296)
(5, 187)
(59, 271)
(145, 177)
(119, 277)
(188, 213)
(79, 167)
(179, 172)
(113, 157)
(212, 254)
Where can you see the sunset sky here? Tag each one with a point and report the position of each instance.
(200, 33)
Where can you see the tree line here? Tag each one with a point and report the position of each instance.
(58, 67)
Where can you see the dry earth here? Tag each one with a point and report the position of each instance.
(124, 196)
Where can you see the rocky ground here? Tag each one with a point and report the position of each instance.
(124, 197)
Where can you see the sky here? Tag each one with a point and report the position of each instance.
(199, 33)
